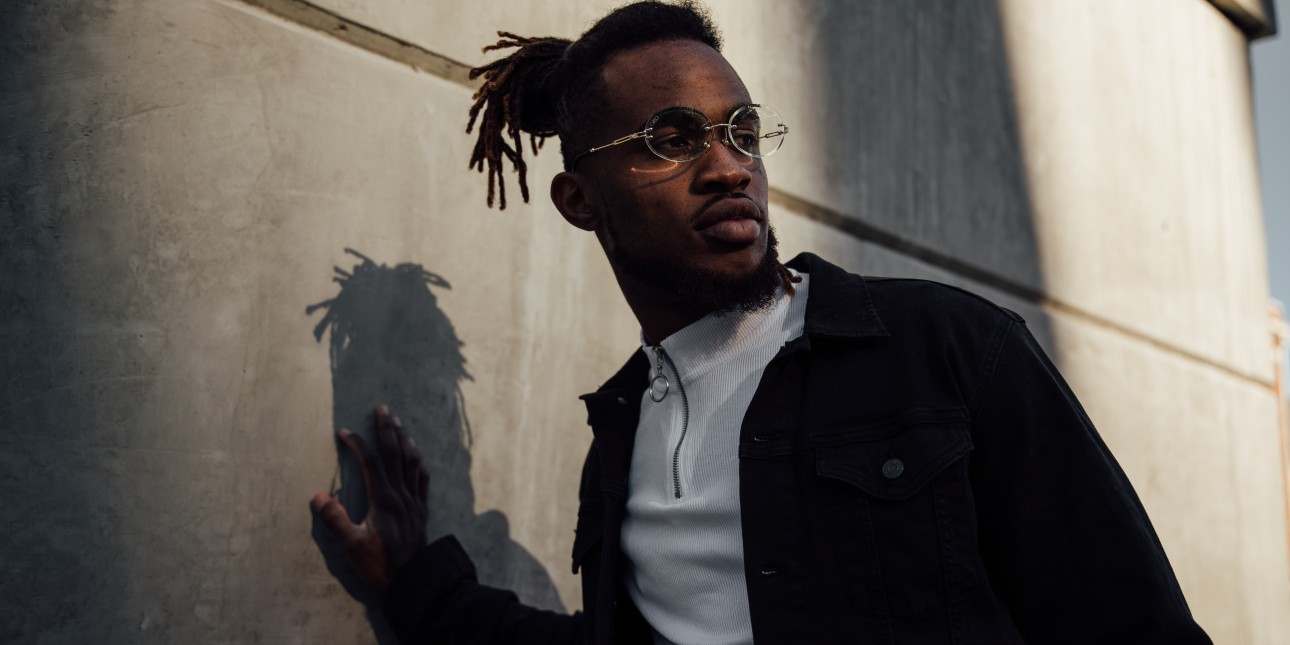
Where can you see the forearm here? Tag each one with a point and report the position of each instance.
(435, 598)
(1067, 543)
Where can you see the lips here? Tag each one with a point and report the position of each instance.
(730, 219)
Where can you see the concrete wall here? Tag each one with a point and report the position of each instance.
(180, 178)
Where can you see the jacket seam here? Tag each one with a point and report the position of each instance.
(991, 365)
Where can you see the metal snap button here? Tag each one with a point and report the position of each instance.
(893, 468)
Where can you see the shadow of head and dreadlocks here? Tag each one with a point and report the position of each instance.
(391, 343)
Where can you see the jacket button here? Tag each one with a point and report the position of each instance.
(893, 468)
(622, 401)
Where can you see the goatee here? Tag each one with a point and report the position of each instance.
(708, 290)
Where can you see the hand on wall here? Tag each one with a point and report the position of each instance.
(397, 488)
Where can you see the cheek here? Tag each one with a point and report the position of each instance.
(656, 216)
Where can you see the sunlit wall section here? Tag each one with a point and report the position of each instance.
(1137, 131)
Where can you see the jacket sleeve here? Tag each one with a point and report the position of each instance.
(1066, 542)
(435, 598)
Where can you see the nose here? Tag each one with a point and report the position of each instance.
(723, 169)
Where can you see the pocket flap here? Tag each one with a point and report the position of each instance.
(896, 466)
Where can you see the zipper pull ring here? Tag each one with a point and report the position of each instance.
(658, 386)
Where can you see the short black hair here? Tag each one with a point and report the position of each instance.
(553, 87)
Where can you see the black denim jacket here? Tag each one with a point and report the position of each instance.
(913, 469)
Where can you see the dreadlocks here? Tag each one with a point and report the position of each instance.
(551, 86)
(502, 100)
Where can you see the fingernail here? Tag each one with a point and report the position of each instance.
(383, 409)
(344, 432)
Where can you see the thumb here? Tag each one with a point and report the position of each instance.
(335, 518)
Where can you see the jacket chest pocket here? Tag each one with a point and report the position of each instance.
(896, 467)
(897, 504)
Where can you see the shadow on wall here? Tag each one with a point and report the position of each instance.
(391, 343)
(927, 158)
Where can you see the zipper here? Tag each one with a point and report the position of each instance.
(660, 356)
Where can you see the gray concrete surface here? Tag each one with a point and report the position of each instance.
(173, 205)
(181, 178)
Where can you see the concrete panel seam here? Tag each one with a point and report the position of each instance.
(356, 34)
(892, 242)
(888, 240)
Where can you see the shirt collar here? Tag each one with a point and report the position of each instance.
(839, 306)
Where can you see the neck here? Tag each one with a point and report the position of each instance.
(659, 313)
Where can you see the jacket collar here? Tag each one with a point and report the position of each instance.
(839, 305)
(618, 401)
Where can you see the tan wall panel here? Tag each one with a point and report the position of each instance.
(1202, 450)
(1138, 131)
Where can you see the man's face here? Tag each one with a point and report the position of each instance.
(696, 229)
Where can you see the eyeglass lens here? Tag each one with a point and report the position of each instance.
(683, 134)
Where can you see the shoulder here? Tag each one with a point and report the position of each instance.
(938, 343)
(935, 301)
(940, 324)
(897, 302)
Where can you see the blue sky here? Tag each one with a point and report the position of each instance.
(1270, 60)
(1271, 63)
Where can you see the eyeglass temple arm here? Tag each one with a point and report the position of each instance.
(638, 135)
(619, 140)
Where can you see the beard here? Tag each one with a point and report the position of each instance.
(707, 290)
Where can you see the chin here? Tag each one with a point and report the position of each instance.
(744, 278)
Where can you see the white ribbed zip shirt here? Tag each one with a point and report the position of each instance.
(686, 554)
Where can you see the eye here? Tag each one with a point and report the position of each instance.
(677, 143)
(672, 142)
(746, 138)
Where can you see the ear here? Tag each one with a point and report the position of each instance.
(572, 195)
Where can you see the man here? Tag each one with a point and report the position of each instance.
(796, 455)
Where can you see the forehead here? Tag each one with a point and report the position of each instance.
(646, 79)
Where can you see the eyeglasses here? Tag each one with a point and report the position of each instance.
(684, 134)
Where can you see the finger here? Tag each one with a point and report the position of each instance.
(373, 474)
(335, 518)
(411, 462)
(387, 442)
